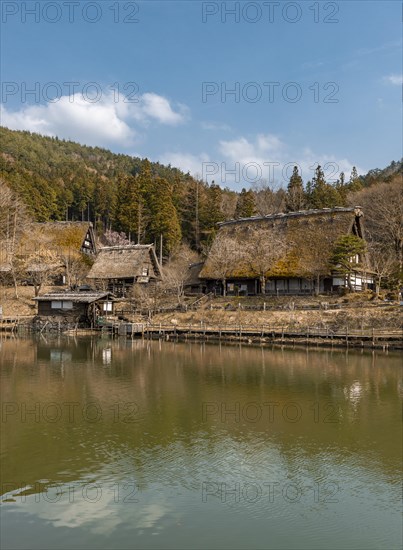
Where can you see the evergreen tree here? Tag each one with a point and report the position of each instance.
(211, 212)
(322, 194)
(354, 183)
(128, 206)
(104, 204)
(163, 216)
(342, 188)
(295, 197)
(191, 212)
(347, 255)
(246, 204)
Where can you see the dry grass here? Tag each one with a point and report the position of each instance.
(365, 317)
(24, 305)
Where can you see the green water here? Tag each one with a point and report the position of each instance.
(120, 444)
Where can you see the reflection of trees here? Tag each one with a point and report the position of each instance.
(169, 382)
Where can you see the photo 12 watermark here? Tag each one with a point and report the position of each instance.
(69, 412)
(270, 12)
(124, 493)
(271, 172)
(72, 91)
(250, 492)
(268, 412)
(269, 91)
(69, 12)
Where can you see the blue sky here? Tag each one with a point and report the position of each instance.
(314, 82)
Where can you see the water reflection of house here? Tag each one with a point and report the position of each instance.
(82, 308)
(306, 240)
(118, 268)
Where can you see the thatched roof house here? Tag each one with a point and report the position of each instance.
(119, 267)
(44, 245)
(77, 236)
(288, 252)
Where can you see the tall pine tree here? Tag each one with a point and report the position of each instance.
(246, 204)
(322, 194)
(163, 216)
(295, 197)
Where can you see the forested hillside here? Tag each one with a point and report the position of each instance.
(63, 180)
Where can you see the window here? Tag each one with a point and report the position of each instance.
(144, 272)
(58, 304)
(107, 306)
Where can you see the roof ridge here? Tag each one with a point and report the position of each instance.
(298, 213)
(126, 247)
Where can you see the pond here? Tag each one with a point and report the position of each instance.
(124, 444)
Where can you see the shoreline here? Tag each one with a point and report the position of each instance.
(173, 334)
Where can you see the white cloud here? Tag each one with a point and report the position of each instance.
(158, 107)
(105, 122)
(75, 118)
(267, 157)
(242, 162)
(395, 79)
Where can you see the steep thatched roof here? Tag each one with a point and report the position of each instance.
(57, 235)
(193, 278)
(306, 240)
(41, 243)
(125, 262)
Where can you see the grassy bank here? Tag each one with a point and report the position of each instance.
(356, 311)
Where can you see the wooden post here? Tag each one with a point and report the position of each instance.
(161, 249)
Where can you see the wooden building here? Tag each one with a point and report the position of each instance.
(75, 308)
(288, 253)
(118, 268)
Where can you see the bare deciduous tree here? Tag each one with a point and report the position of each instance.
(176, 271)
(268, 199)
(225, 255)
(116, 238)
(383, 209)
(383, 263)
(13, 221)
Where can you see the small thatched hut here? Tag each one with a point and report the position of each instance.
(287, 253)
(118, 268)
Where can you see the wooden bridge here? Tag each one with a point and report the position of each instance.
(12, 324)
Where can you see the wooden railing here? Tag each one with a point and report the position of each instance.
(205, 328)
